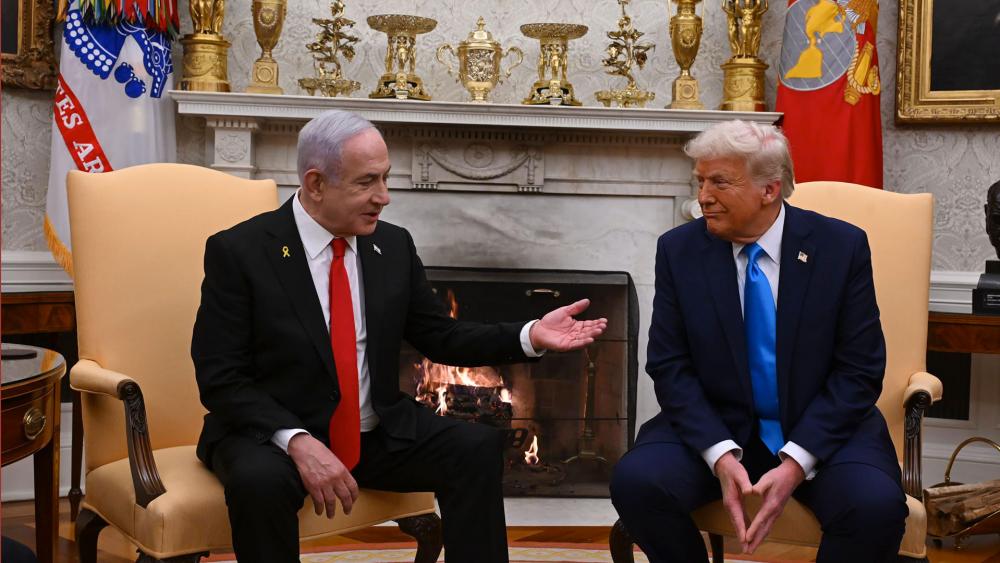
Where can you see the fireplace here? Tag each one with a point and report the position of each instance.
(569, 417)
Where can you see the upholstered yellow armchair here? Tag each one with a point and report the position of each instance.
(899, 228)
(138, 242)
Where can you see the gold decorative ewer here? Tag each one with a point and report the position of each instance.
(400, 80)
(685, 38)
(268, 18)
(743, 73)
(552, 87)
(205, 50)
(479, 59)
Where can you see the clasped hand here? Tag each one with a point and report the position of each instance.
(774, 487)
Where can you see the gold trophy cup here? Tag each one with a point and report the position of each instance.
(479, 59)
(205, 50)
(685, 38)
(268, 18)
(400, 80)
(552, 87)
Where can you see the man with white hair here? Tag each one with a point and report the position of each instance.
(296, 350)
(767, 356)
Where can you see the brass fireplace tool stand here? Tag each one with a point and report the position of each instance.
(585, 448)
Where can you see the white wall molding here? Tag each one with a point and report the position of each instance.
(951, 292)
(32, 270)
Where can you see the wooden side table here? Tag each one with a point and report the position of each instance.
(30, 426)
(963, 333)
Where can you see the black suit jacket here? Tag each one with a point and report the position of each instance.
(261, 347)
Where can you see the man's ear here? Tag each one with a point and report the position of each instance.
(772, 191)
(312, 184)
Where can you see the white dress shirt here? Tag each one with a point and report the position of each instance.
(770, 264)
(319, 254)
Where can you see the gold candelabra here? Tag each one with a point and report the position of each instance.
(552, 86)
(624, 52)
(268, 19)
(743, 73)
(400, 80)
(685, 38)
(479, 59)
(332, 42)
(205, 50)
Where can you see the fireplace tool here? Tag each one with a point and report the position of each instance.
(585, 445)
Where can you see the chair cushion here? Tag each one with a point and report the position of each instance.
(799, 526)
(192, 516)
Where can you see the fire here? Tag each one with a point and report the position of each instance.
(442, 401)
(531, 456)
(505, 395)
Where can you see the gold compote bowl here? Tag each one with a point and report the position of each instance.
(400, 80)
(552, 87)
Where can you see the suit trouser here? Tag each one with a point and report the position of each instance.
(461, 463)
(656, 486)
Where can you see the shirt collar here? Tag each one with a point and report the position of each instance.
(770, 241)
(315, 238)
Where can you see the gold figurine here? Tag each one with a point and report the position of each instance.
(479, 59)
(685, 38)
(743, 73)
(624, 52)
(205, 50)
(400, 80)
(552, 87)
(333, 40)
(268, 18)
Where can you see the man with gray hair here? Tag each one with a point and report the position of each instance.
(296, 349)
(767, 356)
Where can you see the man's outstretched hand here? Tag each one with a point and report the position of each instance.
(560, 332)
(324, 476)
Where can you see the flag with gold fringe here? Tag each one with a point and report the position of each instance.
(110, 109)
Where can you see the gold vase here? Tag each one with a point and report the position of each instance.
(268, 18)
(552, 86)
(685, 38)
(743, 73)
(400, 80)
(479, 58)
(205, 50)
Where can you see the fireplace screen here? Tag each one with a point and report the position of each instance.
(569, 417)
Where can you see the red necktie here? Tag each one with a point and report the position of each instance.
(345, 424)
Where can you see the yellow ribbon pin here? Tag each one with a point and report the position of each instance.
(284, 252)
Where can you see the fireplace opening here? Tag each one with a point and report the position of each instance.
(570, 416)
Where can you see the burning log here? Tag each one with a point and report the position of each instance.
(470, 403)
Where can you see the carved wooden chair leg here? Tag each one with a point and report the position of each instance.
(426, 529)
(620, 543)
(718, 548)
(192, 558)
(88, 527)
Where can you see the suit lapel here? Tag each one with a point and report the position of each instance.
(798, 255)
(288, 257)
(720, 273)
(373, 271)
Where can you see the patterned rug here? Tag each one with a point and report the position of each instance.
(520, 552)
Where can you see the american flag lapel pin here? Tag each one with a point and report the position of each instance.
(377, 249)
(803, 257)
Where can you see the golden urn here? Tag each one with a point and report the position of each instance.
(268, 18)
(552, 86)
(400, 80)
(479, 58)
(685, 38)
(205, 50)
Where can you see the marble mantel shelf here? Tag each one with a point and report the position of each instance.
(267, 107)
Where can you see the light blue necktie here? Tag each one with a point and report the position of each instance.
(759, 320)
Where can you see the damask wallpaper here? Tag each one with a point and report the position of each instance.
(955, 163)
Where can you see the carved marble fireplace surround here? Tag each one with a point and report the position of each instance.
(501, 186)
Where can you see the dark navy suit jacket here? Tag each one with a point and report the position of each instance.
(830, 348)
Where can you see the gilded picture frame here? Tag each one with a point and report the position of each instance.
(29, 59)
(941, 78)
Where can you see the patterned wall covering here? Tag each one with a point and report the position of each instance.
(955, 163)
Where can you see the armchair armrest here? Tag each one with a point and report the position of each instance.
(923, 390)
(87, 376)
